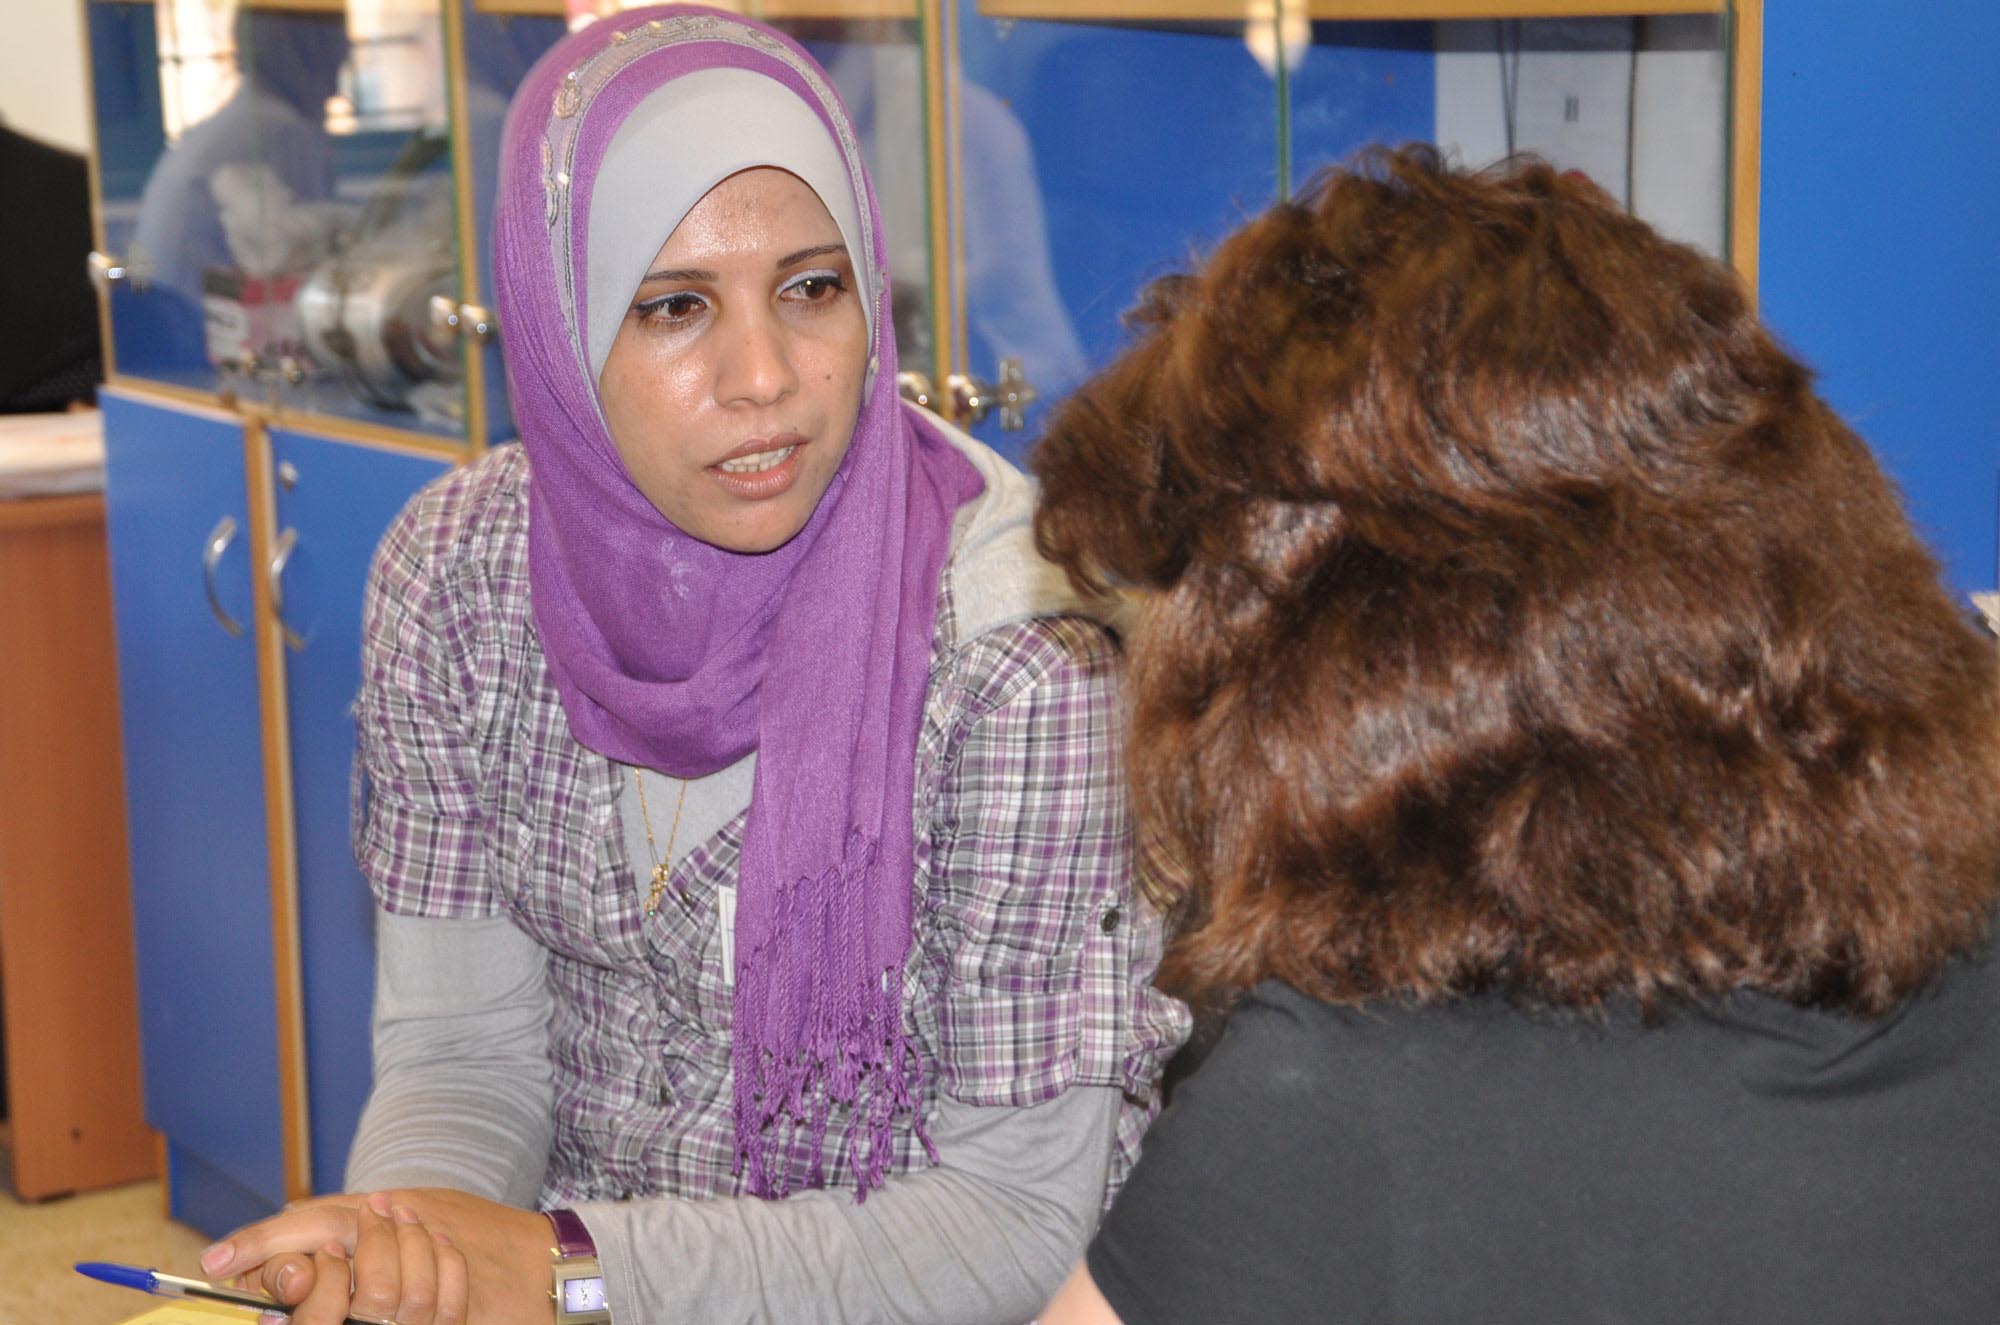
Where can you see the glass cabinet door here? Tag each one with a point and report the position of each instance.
(276, 182)
(1096, 144)
(1639, 102)
(499, 43)
(362, 210)
(872, 49)
(160, 230)
(1091, 149)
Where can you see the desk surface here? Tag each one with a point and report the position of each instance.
(46, 512)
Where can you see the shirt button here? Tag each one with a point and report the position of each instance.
(1110, 921)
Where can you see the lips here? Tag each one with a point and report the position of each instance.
(761, 468)
(756, 463)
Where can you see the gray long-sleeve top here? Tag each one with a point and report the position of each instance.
(463, 1099)
(468, 1000)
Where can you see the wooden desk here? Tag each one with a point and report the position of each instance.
(66, 983)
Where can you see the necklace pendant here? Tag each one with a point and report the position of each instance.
(661, 873)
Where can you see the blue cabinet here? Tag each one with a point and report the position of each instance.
(333, 501)
(178, 518)
(277, 208)
(279, 229)
(256, 1060)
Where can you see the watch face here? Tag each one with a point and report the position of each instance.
(581, 1295)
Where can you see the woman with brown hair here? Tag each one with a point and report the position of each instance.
(1578, 786)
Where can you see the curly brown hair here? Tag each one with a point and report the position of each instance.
(1517, 617)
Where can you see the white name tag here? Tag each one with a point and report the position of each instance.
(725, 921)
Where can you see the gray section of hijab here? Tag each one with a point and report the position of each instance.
(997, 576)
(583, 82)
(676, 145)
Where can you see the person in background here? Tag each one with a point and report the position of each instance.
(267, 145)
(743, 795)
(50, 356)
(1584, 793)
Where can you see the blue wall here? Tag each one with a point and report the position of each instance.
(1881, 241)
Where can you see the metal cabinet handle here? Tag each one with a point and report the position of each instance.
(219, 539)
(972, 399)
(286, 368)
(916, 388)
(471, 321)
(105, 270)
(274, 578)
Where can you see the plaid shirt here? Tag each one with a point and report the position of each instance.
(1030, 966)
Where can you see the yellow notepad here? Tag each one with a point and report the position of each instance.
(193, 1313)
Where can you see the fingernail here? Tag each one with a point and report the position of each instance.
(405, 1215)
(440, 1239)
(216, 1257)
(335, 1250)
(285, 1277)
(379, 1203)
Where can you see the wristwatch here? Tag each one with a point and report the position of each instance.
(579, 1279)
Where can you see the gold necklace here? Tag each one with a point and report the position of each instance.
(663, 866)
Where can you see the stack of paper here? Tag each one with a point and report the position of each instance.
(44, 455)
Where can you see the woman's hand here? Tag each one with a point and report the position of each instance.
(423, 1256)
(1079, 1303)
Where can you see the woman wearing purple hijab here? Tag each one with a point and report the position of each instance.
(741, 793)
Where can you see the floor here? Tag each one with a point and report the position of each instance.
(39, 1242)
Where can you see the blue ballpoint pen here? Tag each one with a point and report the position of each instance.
(172, 1285)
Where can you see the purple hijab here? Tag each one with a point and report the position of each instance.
(676, 655)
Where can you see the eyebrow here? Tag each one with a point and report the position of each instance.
(698, 274)
(677, 274)
(808, 254)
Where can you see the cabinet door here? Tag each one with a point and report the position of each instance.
(1096, 146)
(333, 501)
(1639, 102)
(354, 152)
(278, 204)
(179, 531)
(873, 52)
(156, 219)
(1085, 157)
(499, 43)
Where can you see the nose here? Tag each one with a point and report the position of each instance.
(755, 366)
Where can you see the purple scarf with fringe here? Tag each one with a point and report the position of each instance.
(673, 654)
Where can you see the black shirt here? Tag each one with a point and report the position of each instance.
(49, 354)
(1479, 1162)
